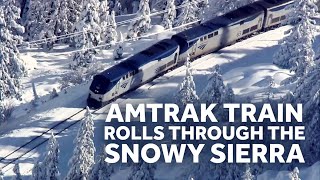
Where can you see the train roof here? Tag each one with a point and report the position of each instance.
(220, 21)
(197, 31)
(243, 13)
(272, 3)
(157, 51)
(116, 72)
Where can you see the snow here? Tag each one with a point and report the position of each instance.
(310, 173)
(246, 66)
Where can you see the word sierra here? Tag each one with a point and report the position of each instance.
(284, 113)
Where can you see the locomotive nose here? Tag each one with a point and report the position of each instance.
(93, 103)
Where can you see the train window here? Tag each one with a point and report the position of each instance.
(283, 18)
(205, 38)
(246, 31)
(201, 39)
(253, 28)
(131, 73)
(241, 22)
(216, 33)
(210, 35)
(274, 20)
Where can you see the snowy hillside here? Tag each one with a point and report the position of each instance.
(246, 66)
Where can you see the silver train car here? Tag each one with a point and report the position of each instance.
(199, 40)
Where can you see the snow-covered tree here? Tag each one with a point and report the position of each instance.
(228, 95)
(17, 174)
(63, 24)
(158, 4)
(296, 49)
(170, 15)
(38, 171)
(82, 58)
(12, 16)
(12, 67)
(187, 90)
(247, 174)
(118, 51)
(34, 17)
(101, 170)
(312, 142)
(270, 91)
(215, 91)
(142, 171)
(294, 175)
(82, 159)
(108, 32)
(189, 12)
(308, 94)
(142, 22)
(89, 21)
(48, 26)
(117, 8)
(50, 164)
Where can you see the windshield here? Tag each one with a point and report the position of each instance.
(100, 85)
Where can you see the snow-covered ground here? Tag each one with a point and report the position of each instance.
(246, 66)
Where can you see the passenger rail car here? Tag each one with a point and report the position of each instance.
(196, 41)
(133, 72)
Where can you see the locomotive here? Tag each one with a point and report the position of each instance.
(199, 40)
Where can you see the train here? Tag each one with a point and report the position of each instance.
(204, 38)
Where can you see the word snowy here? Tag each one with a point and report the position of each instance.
(247, 126)
(172, 111)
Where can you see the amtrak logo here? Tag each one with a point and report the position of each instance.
(124, 85)
(202, 46)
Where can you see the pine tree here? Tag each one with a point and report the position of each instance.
(12, 67)
(308, 94)
(109, 33)
(247, 174)
(35, 16)
(89, 20)
(215, 91)
(118, 51)
(63, 24)
(296, 50)
(82, 159)
(170, 15)
(16, 170)
(101, 170)
(187, 91)
(117, 8)
(12, 16)
(38, 171)
(48, 26)
(294, 175)
(158, 4)
(189, 13)
(144, 172)
(50, 164)
(143, 21)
